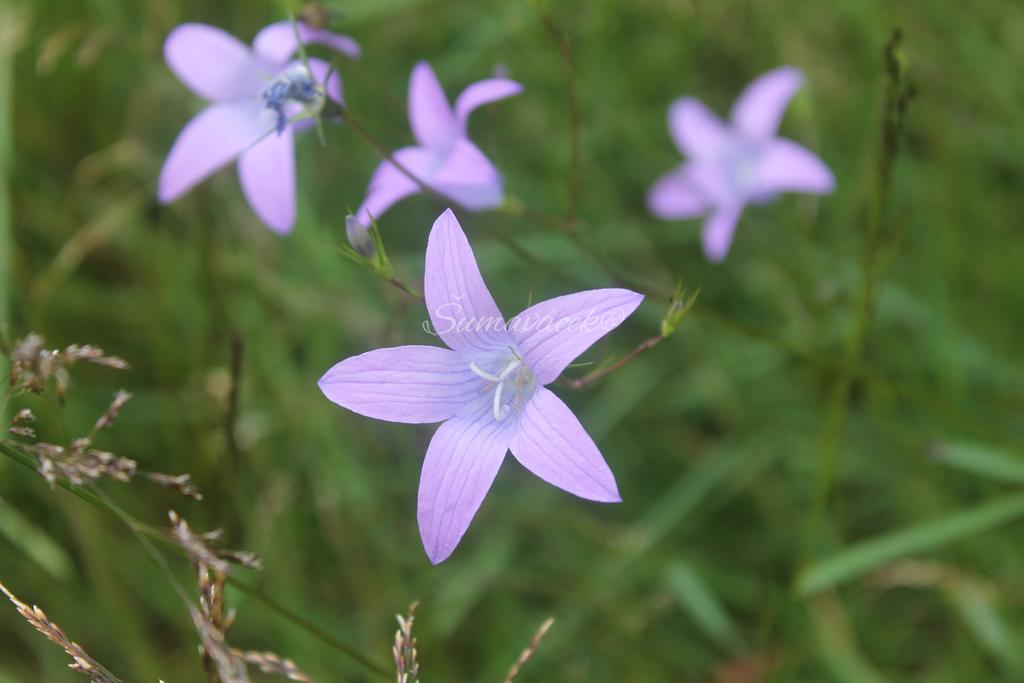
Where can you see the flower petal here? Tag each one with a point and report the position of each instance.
(481, 93)
(212, 139)
(696, 130)
(276, 43)
(719, 229)
(267, 173)
(786, 166)
(469, 177)
(759, 108)
(411, 384)
(550, 442)
(460, 307)
(321, 70)
(462, 460)
(213, 63)
(388, 185)
(430, 116)
(676, 195)
(553, 333)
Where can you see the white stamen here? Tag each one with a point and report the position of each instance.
(512, 365)
(479, 372)
(497, 402)
(499, 380)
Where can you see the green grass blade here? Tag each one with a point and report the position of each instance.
(37, 545)
(700, 602)
(982, 460)
(855, 560)
(983, 619)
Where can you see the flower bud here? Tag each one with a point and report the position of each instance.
(360, 238)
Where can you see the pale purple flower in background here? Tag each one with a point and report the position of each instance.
(253, 92)
(444, 158)
(735, 163)
(487, 389)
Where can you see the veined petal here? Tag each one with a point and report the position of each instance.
(277, 43)
(212, 139)
(430, 116)
(213, 63)
(267, 173)
(760, 107)
(676, 195)
(388, 185)
(696, 130)
(411, 384)
(462, 460)
(553, 333)
(786, 166)
(719, 229)
(481, 93)
(461, 308)
(469, 177)
(550, 442)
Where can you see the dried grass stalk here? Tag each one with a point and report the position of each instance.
(197, 547)
(404, 649)
(81, 661)
(270, 663)
(33, 365)
(179, 483)
(107, 419)
(530, 650)
(212, 620)
(80, 463)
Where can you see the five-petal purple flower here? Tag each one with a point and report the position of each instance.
(445, 158)
(252, 94)
(732, 165)
(488, 389)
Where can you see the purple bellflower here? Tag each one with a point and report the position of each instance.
(253, 93)
(444, 158)
(487, 389)
(736, 163)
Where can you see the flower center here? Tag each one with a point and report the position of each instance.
(742, 161)
(513, 383)
(294, 84)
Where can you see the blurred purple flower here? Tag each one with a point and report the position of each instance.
(445, 158)
(737, 163)
(488, 388)
(253, 92)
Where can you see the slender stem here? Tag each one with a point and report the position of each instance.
(609, 269)
(530, 650)
(11, 450)
(520, 251)
(405, 288)
(308, 626)
(539, 216)
(569, 67)
(897, 97)
(228, 466)
(378, 147)
(600, 373)
(512, 244)
(8, 17)
(301, 47)
(141, 532)
(231, 413)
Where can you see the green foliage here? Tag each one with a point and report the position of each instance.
(842, 399)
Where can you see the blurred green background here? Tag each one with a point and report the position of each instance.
(722, 565)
